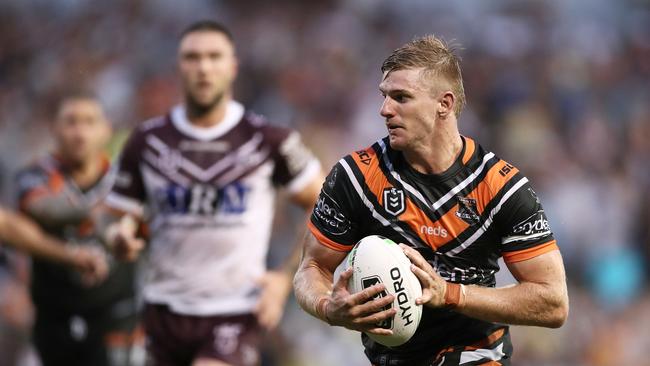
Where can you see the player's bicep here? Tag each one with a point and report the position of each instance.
(547, 268)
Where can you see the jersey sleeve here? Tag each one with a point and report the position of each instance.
(128, 192)
(33, 182)
(295, 165)
(335, 220)
(525, 230)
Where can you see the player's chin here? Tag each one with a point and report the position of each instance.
(205, 100)
(397, 142)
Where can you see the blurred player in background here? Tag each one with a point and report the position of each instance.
(78, 323)
(457, 208)
(207, 173)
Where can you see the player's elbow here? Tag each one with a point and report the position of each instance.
(558, 312)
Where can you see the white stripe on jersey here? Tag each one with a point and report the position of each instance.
(205, 175)
(366, 201)
(158, 162)
(440, 202)
(494, 354)
(514, 238)
(489, 220)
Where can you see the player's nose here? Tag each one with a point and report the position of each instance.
(387, 111)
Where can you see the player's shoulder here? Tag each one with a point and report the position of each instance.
(366, 158)
(38, 172)
(272, 132)
(43, 165)
(499, 174)
(152, 125)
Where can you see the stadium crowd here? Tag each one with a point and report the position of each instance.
(559, 88)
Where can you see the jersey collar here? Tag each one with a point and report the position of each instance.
(234, 114)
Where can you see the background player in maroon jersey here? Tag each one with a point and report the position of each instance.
(206, 174)
(483, 205)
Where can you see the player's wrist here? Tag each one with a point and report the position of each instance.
(454, 297)
(71, 256)
(321, 309)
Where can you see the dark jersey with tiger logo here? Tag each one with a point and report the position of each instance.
(461, 221)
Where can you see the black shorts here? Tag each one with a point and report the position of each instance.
(177, 340)
(98, 337)
(495, 350)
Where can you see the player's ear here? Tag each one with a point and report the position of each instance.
(446, 104)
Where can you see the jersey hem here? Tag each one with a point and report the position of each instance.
(323, 240)
(530, 253)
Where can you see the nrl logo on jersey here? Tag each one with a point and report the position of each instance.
(467, 210)
(394, 201)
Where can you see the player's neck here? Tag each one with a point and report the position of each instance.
(438, 155)
(210, 117)
(87, 172)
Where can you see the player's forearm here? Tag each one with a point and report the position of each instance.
(56, 210)
(526, 303)
(311, 285)
(27, 237)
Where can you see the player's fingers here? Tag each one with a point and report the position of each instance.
(372, 320)
(379, 331)
(366, 295)
(374, 305)
(415, 256)
(342, 283)
(426, 281)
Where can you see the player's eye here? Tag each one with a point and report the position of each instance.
(400, 98)
(191, 56)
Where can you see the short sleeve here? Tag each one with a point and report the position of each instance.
(334, 220)
(295, 164)
(33, 182)
(525, 230)
(128, 192)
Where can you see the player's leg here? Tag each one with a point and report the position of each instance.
(209, 362)
(169, 337)
(59, 338)
(122, 335)
(230, 340)
(125, 347)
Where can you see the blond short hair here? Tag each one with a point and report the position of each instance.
(435, 56)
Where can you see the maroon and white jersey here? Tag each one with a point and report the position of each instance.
(208, 196)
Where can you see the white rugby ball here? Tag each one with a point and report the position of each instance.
(377, 259)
